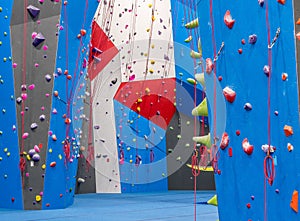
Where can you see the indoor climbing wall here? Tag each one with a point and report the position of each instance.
(250, 54)
(45, 55)
(140, 97)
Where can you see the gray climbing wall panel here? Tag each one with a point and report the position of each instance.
(33, 64)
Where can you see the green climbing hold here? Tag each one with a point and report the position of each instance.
(191, 81)
(192, 24)
(204, 140)
(201, 109)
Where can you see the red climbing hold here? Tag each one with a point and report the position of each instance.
(53, 164)
(281, 1)
(230, 151)
(224, 141)
(248, 148)
(229, 94)
(229, 22)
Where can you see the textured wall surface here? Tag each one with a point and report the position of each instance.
(241, 184)
(44, 59)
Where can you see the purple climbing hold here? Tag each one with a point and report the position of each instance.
(252, 39)
(39, 38)
(261, 2)
(33, 11)
(33, 126)
(48, 77)
(267, 70)
(248, 107)
(36, 157)
(31, 152)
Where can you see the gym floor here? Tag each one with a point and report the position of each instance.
(171, 205)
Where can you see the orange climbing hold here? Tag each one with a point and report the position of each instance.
(281, 1)
(298, 21)
(294, 201)
(288, 130)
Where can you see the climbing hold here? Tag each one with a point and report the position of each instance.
(201, 109)
(38, 198)
(80, 180)
(196, 55)
(268, 148)
(188, 39)
(213, 201)
(284, 76)
(290, 147)
(229, 94)
(48, 77)
(224, 141)
(247, 147)
(240, 51)
(36, 157)
(248, 107)
(230, 151)
(294, 201)
(281, 1)
(200, 79)
(33, 11)
(82, 32)
(39, 38)
(54, 138)
(191, 81)
(25, 135)
(53, 164)
(298, 36)
(252, 39)
(266, 70)
(204, 140)
(288, 130)
(261, 2)
(192, 24)
(209, 65)
(248, 205)
(243, 41)
(229, 22)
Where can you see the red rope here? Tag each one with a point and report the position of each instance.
(269, 166)
(22, 163)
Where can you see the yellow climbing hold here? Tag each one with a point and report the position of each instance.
(192, 24)
(152, 62)
(188, 39)
(38, 198)
(44, 166)
(213, 201)
(60, 156)
(200, 79)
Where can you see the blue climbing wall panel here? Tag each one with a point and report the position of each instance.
(243, 191)
(41, 105)
(139, 137)
(10, 176)
(61, 194)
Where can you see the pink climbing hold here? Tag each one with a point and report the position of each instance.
(24, 96)
(229, 22)
(209, 65)
(15, 65)
(31, 87)
(25, 135)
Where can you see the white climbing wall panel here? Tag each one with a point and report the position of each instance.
(142, 32)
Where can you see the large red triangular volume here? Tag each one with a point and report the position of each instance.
(102, 51)
(152, 99)
(294, 201)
